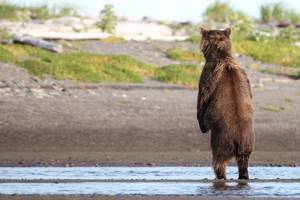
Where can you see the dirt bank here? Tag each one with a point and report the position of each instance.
(133, 126)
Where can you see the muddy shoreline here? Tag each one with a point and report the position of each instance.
(138, 127)
(69, 159)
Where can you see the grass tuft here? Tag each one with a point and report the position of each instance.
(181, 74)
(271, 108)
(184, 55)
(114, 40)
(287, 100)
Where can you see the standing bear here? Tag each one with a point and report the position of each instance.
(224, 104)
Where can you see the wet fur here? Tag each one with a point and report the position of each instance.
(225, 104)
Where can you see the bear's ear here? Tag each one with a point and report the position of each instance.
(227, 32)
(203, 31)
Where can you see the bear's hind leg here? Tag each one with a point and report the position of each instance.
(220, 168)
(242, 161)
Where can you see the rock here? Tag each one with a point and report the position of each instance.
(92, 92)
(151, 164)
(282, 80)
(38, 93)
(6, 91)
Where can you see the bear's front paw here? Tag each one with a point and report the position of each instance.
(203, 128)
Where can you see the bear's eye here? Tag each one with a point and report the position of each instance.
(213, 37)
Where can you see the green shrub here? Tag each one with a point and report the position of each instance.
(108, 21)
(218, 12)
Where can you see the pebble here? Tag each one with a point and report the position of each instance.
(39, 93)
(151, 164)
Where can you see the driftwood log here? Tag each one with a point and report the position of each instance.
(36, 42)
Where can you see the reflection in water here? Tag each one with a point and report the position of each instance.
(225, 188)
(223, 185)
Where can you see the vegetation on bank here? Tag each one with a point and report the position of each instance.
(95, 68)
(277, 12)
(280, 46)
(273, 51)
(84, 67)
(180, 74)
(184, 55)
(15, 12)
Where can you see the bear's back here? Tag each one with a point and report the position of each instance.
(231, 102)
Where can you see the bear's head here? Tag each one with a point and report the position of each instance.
(215, 44)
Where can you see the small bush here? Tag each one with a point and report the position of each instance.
(108, 21)
(184, 55)
(218, 12)
(221, 13)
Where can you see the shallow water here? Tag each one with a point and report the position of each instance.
(265, 181)
(141, 173)
(272, 189)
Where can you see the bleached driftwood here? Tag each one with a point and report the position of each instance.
(50, 46)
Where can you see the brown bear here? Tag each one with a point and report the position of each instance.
(224, 104)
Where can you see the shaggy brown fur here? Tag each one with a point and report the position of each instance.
(225, 104)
